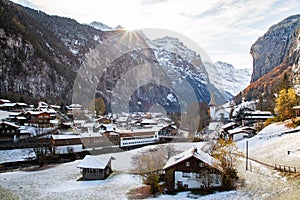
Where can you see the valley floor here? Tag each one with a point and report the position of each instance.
(259, 182)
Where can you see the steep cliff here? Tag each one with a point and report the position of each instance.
(275, 61)
(275, 46)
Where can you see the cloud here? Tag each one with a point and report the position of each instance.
(148, 2)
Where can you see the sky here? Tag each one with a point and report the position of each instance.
(225, 29)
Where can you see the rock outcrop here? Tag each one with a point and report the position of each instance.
(275, 46)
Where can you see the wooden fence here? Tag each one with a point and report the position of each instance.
(284, 168)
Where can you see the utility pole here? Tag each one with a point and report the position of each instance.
(247, 154)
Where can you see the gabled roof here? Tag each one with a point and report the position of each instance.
(228, 125)
(36, 112)
(5, 100)
(192, 152)
(10, 124)
(94, 162)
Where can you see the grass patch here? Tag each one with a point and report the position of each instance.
(140, 192)
(7, 195)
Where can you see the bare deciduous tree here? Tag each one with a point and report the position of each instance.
(149, 165)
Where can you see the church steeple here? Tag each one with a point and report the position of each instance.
(212, 100)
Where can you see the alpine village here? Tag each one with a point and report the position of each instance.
(77, 123)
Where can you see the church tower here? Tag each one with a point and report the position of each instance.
(212, 106)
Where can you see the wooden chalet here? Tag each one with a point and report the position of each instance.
(257, 116)
(190, 170)
(95, 167)
(104, 120)
(169, 130)
(38, 118)
(297, 110)
(13, 106)
(9, 132)
(241, 133)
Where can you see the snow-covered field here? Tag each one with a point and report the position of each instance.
(271, 146)
(61, 181)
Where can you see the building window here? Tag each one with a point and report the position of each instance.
(217, 179)
(186, 186)
(201, 164)
(179, 184)
(187, 164)
(186, 174)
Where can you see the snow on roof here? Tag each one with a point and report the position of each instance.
(192, 152)
(65, 137)
(74, 107)
(36, 112)
(10, 124)
(148, 121)
(228, 125)
(5, 100)
(259, 112)
(139, 130)
(21, 118)
(8, 105)
(51, 111)
(296, 107)
(109, 127)
(94, 162)
(22, 104)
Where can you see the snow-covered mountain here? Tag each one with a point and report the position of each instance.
(226, 77)
(100, 26)
(181, 62)
(221, 78)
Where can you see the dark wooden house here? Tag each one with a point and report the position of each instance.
(95, 167)
(192, 169)
(38, 118)
(8, 131)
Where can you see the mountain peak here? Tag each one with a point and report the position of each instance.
(100, 26)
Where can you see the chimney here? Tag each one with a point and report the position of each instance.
(195, 150)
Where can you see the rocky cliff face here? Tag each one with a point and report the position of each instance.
(296, 65)
(276, 45)
(276, 61)
(40, 53)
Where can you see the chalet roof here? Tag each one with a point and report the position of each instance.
(240, 130)
(74, 107)
(148, 121)
(94, 162)
(65, 137)
(9, 104)
(36, 112)
(139, 130)
(228, 125)
(296, 107)
(5, 100)
(192, 152)
(10, 124)
(109, 127)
